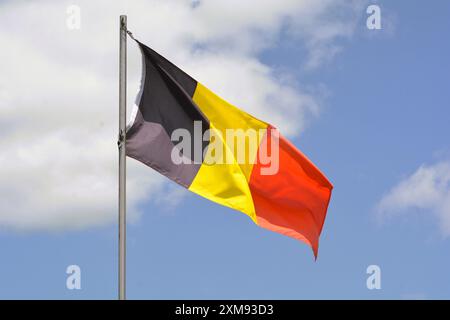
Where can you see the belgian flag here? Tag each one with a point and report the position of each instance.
(287, 194)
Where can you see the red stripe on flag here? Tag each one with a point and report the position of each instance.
(293, 201)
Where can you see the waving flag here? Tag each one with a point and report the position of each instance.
(190, 135)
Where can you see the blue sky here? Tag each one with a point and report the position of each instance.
(384, 112)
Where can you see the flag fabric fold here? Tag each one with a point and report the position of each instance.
(290, 196)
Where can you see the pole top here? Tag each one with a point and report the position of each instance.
(123, 21)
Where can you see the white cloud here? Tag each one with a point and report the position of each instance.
(58, 91)
(427, 189)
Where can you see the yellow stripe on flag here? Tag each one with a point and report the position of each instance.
(224, 184)
(227, 183)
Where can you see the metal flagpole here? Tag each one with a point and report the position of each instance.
(122, 153)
